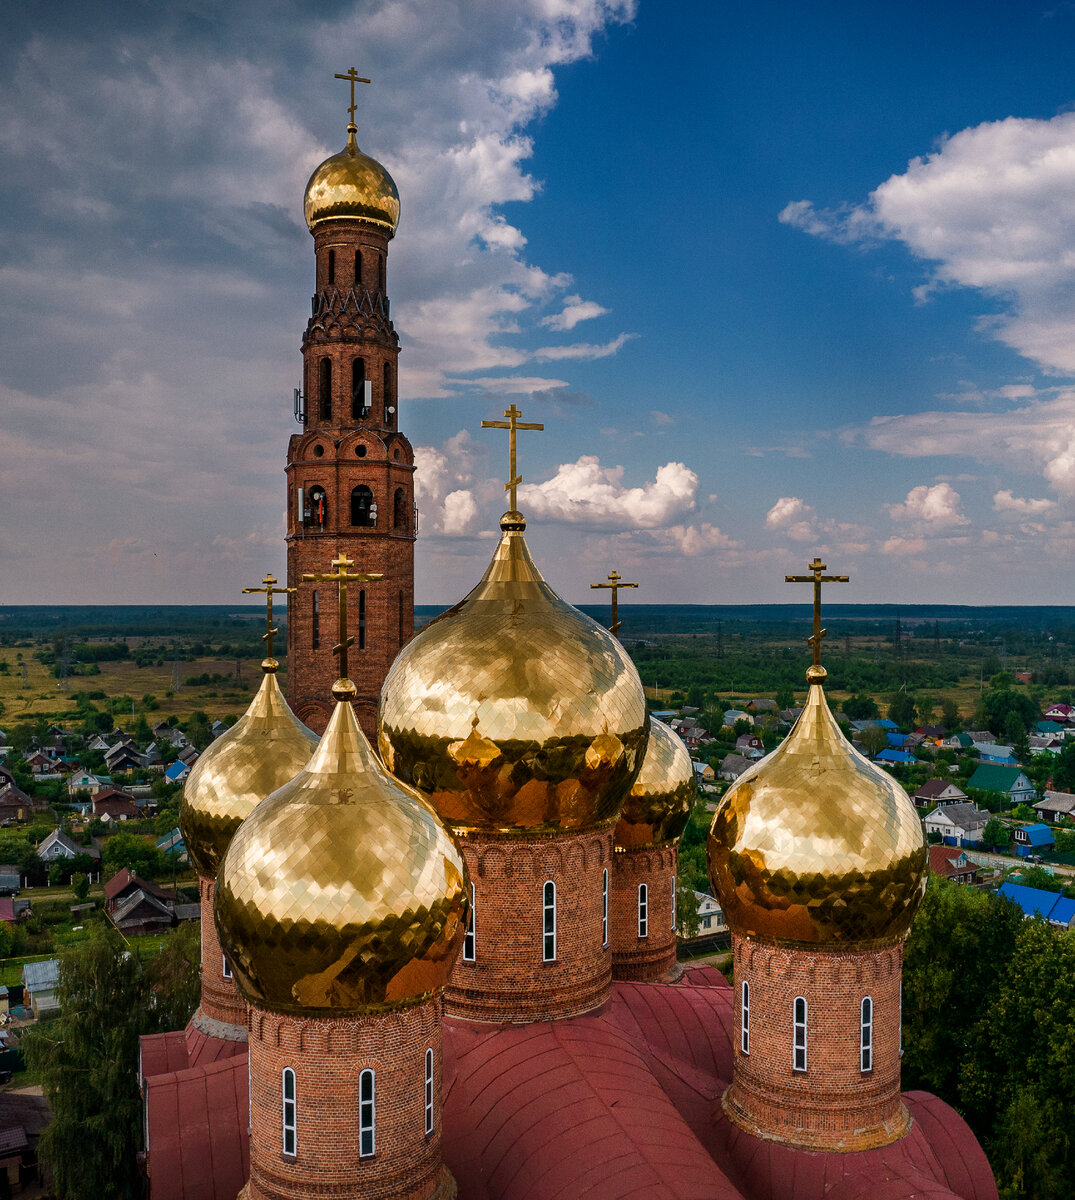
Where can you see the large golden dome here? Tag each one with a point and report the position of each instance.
(659, 802)
(514, 712)
(815, 845)
(265, 748)
(354, 186)
(341, 893)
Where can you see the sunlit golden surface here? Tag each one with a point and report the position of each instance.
(814, 844)
(659, 802)
(513, 711)
(265, 748)
(342, 892)
(351, 184)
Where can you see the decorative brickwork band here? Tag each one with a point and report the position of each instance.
(221, 1002)
(538, 951)
(348, 1107)
(817, 1046)
(643, 940)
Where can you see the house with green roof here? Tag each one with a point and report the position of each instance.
(993, 777)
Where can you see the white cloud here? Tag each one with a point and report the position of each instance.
(575, 310)
(516, 385)
(583, 349)
(586, 493)
(662, 418)
(1004, 501)
(938, 507)
(793, 517)
(444, 486)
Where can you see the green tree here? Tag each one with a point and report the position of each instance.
(129, 850)
(902, 710)
(997, 834)
(861, 708)
(1064, 769)
(173, 978)
(874, 740)
(950, 717)
(81, 884)
(1016, 734)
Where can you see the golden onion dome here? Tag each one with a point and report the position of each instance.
(351, 185)
(513, 711)
(815, 845)
(265, 748)
(659, 802)
(341, 893)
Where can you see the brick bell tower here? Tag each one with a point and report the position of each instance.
(350, 472)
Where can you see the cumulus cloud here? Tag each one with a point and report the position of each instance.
(938, 507)
(445, 485)
(793, 517)
(586, 493)
(575, 310)
(1004, 501)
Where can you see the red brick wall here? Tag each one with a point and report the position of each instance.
(509, 979)
(648, 957)
(340, 452)
(220, 997)
(327, 1057)
(833, 1105)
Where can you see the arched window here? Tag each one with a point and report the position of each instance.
(798, 1061)
(324, 389)
(744, 1018)
(358, 268)
(468, 937)
(548, 897)
(315, 622)
(429, 1091)
(332, 266)
(225, 970)
(362, 511)
(367, 1114)
(866, 1035)
(389, 395)
(359, 407)
(399, 510)
(318, 509)
(290, 1110)
(362, 619)
(643, 910)
(604, 907)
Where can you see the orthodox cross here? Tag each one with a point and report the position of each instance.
(817, 579)
(354, 77)
(615, 584)
(270, 630)
(342, 577)
(511, 424)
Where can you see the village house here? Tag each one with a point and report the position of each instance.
(733, 765)
(124, 757)
(704, 773)
(10, 879)
(39, 982)
(710, 917)
(736, 714)
(16, 807)
(82, 783)
(995, 777)
(939, 791)
(993, 752)
(952, 863)
(58, 845)
(1030, 840)
(116, 805)
(1056, 806)
(1036, 902)
(136, 906)
(750, 746)
(958, 824)
(1061, 713)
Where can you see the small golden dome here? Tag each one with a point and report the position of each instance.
(342, 892)
(513, 711)
(354, 186)
(815, 845)
(265, 748)
(659, 802)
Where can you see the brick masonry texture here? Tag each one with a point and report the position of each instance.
(648, 957)
(328, 1057)
(341, 449)
(509, 979)
(833, 1104)
(220, 997)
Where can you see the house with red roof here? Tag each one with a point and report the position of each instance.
(112, 803)
(952, 863)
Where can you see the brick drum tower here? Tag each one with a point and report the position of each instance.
(350, 472)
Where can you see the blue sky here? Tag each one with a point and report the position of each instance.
(778, 278)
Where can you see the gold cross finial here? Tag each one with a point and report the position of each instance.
(343, 688)
(269, 664)
(354, 77)
(615, 585)
(817, 671)
(511, 424)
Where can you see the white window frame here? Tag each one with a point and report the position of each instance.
(548, 921)
(744, 1017)
(225, 970)
(798, 1041)
(429, 1091)
(289, 1113)
(643, 910)
(604, 907)
(673, 904)
(470, 937)
(866, 1035)
(367, 1114)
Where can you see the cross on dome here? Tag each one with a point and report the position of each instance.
(269, 663)
(343, 688)
(511, 424)
(614, 584)
(353, 76)
(817, 579)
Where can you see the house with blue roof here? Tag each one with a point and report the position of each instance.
(895, 756)
(177, 772)
(1036, 902)
(994, 752)
(896, 741)
(1032, 839)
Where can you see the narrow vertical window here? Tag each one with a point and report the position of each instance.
(324, 390)
(400, 510)
(389, 398)
(358, 388)
(358, 268)
(744, 1018)
(362, 619)
(332, 266)
(315, 622)
(673, 904)
(289, 1110)
(401, 618)
(799, 1039)
(468, 937)
(429, 1092)
(225, 970)
(604, 907)
(866, 1034)
(643, 910)
(380, 271)
(548, 953)
(367, 1114)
